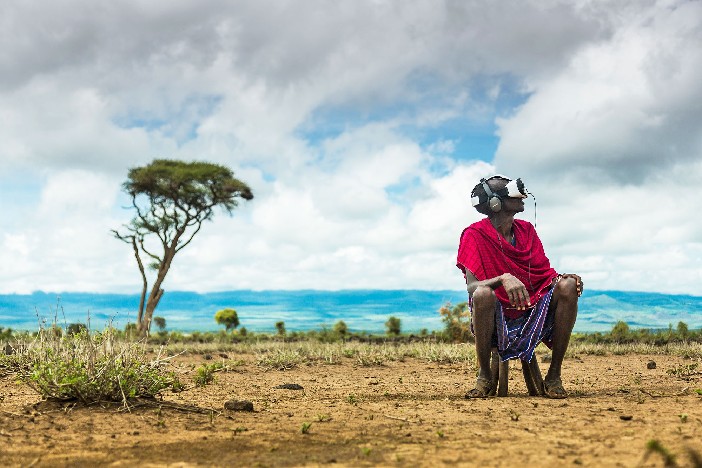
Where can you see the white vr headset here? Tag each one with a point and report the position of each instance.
(513, 189)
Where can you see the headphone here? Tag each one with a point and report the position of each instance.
(494, 200)
(513, 189)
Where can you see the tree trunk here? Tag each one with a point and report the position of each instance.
(140, 315)
(145, 324)
(156, 293)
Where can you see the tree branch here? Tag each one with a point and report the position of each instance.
(179, 248)
(153, 256)
(143, 279)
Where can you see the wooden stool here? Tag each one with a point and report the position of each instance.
(500, 376)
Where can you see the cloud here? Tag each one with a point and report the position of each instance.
(624, 109)
(361, 127)
(64, 242)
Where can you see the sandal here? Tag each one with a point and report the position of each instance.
(483, 389)
(554, 389)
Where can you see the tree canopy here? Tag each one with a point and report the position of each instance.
(227, 317)
(171, 200)
(393, 326)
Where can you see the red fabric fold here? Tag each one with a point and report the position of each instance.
(486, 254)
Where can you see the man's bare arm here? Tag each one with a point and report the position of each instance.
(473, 283)
(516, 291)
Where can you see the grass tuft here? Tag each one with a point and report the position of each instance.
(90, 367)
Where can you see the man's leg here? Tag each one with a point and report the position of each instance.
(484, 301)
(564, 303)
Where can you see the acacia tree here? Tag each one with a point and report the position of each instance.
(393, 326)
(171, 200)
(228, 318)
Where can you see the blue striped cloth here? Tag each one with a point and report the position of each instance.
(517, 338)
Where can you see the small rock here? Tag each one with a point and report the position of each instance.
(207, 357)
(626, 417)
(224, 355)
(546, 358)
(651, 365)
(238, 405)
(290, 386)
(9, 349)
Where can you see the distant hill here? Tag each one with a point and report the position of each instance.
(362, 310)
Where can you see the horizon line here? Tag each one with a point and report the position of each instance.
(332, 291)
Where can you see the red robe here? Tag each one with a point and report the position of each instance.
(486, 254)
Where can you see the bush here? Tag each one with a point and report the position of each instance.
(75, 328)
(280, 326)
(683, 331)
(227, 317)
(92, 368)
(5, 334)
(456, 322)
(393, 326)
(341, 329)
(620, 332)
(130, 331)
(205, 373)
(160, 323)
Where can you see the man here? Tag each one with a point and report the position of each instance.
(517, 300)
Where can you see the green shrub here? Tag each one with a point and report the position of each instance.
(683, 331)
(92, 368)
(341, 329)
(160, 323)
(5, 334)
(620, 333)
(130, 331)
(227, 317)
(75, 328)
(456, 322)
(393, 326)
(205, 373)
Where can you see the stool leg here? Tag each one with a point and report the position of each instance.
(536, 375)
(495, 369)
(504, 377)
(529, 379)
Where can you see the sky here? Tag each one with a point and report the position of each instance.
(361, 128)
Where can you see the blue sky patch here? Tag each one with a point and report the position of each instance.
(178, 121)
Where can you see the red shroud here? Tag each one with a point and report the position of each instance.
(486, 254)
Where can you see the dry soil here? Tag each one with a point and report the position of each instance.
(409, 413)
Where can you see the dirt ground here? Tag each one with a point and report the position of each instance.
(399, 414)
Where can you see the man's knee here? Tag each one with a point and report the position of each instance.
(566, 292)
(484, 298)
(567, 288)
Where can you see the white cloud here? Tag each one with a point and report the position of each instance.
(609, 145)
(334, 113)
(624, 108)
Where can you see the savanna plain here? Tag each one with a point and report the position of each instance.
(307, 403)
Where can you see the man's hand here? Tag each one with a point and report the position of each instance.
(578, 281)
(516, 291)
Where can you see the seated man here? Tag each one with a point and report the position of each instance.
(516, 299)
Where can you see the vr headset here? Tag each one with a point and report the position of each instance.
(513, 189)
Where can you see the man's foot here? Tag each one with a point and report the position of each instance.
(483, 389)
(554, 389)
